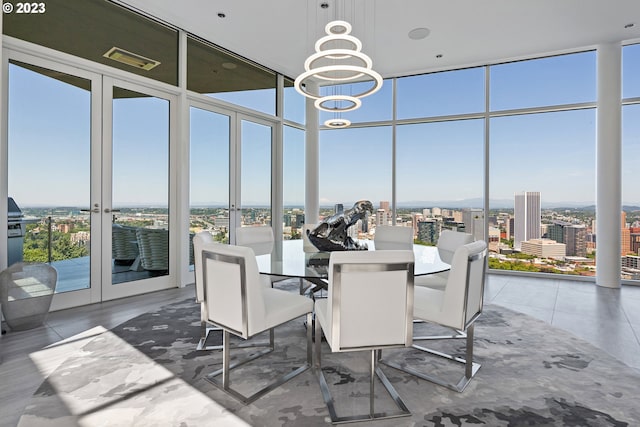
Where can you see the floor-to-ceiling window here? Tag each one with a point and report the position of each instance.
(439, 178)
(630, 157)
(542, 164)
(293, 162)
(49, 129)
(439, 167)
(354, 166)
(293, 182)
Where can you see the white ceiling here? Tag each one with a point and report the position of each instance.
(280, 34)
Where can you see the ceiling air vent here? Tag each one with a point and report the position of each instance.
(132, 59)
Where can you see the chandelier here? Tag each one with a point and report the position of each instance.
(338, 60)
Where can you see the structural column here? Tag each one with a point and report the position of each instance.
(312, 160)
(609, 166)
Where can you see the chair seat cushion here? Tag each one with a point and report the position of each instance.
(282, 306)
(427, 303)
(434, 281)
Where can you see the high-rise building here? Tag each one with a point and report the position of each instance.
(473, 220)
(429, 231)
(384, 205)
(338, 208)
(573, 236)
(625, 235)
(576, 240)
(381, 217)
(527, 214)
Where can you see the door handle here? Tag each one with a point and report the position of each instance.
(96, 209)
(107, 210)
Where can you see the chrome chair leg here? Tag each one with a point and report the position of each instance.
(227, 367)
(470, 367)
(374, 371)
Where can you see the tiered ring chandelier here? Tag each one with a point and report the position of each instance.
(338, 60)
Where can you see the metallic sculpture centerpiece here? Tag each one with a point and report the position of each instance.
(331, 234)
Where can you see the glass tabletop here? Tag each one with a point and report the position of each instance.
(290, 260)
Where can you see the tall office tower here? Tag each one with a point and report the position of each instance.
(384, 205)
(429, 231)
(473, 220)
(381, 217)
(527, 216)
(510, 226)
(436, 211)
(299, 220)
(457, 216)
(575, 239)
(625, 235)
(426, 212)
(556, 231)
(338, 208)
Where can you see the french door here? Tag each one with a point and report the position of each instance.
(89, 156)
(136, 190)
(231, 170)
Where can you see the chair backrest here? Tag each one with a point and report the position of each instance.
(370, 299)
(153, 245)
(449, 241)
(260, 239)
(307, 246)
(200, 240)
(463, 297)
(393, 237)
(123, 242)
(232, 288)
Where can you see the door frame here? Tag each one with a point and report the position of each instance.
(236, 116)
(108, 290)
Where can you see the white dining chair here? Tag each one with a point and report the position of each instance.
(261, 240)
(369, 307)
(448, 242)
(200, 240)
(456, 307)
(237, 302)
(393, 237)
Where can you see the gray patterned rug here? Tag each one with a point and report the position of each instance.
(146, 372)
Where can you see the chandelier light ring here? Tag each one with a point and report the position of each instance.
(334, 26)
(355, 103)
(319, 46)
(345, 53)
(309, 64)
(377, 79)
(337, 123)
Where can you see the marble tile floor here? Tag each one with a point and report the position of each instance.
(607, 318)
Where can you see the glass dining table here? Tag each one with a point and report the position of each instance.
(288, 259)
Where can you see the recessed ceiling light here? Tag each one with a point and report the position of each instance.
(229, 65)
(419, 33)
(630, 25)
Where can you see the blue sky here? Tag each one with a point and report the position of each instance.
(553, 153)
